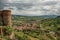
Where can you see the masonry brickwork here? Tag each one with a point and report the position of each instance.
(5, 18)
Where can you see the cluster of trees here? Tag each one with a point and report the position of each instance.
(49, 29)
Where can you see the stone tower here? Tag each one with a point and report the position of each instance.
(1, 18)
(5, 17)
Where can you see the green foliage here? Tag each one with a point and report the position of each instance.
(46, 26)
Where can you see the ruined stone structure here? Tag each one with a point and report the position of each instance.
(1, 19)
(5, 18)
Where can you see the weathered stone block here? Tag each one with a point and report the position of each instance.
(5, 18)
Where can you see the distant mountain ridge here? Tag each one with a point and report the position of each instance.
(58, 16)
(42, 16)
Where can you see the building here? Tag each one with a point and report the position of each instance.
(1, 19)
(5, 18)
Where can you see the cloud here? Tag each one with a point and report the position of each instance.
(32, 7)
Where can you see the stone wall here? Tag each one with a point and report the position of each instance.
(5, 17)
(1, 23)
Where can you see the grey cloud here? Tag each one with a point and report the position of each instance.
(48, 3)
(32, 7)
(51, 3)
(4, 1)
(21, 5)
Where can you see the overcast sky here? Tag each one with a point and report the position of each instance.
(31, 7)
